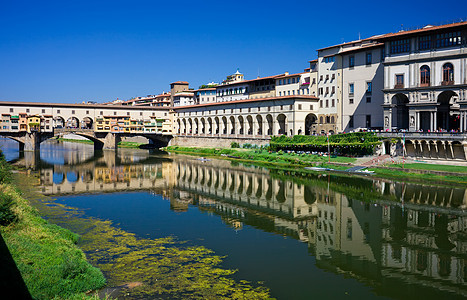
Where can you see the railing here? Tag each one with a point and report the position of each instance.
(447, 82)
(399, 86)
(431, 135)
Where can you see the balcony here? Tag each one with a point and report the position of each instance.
(424, 84)
(447, 82)
(399, 86)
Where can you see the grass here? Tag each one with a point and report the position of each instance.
(431, 167)
(51, 264)
(261, 155)
(427, 178)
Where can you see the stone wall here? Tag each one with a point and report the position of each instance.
(222, 142)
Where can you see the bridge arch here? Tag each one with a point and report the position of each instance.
(72, 122)
(87, 123)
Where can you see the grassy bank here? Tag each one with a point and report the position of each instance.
(122, 144)
(50, 263)
(291, 160)
(264, 156)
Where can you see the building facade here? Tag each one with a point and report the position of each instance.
(425, 79)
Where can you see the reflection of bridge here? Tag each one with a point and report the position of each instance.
(77, 114)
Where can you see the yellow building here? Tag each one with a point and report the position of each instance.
(33, 123)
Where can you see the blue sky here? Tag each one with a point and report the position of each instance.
(73, 51)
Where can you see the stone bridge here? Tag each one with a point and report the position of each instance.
(30, 141)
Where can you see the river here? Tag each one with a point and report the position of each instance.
(304, 237)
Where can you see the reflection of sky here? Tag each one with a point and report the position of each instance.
(9, 148)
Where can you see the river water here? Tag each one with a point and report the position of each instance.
(305, 236)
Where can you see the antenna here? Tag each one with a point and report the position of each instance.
(359, 38)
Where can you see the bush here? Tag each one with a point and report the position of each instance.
(234, 145)
(5, 170)
(7, 216)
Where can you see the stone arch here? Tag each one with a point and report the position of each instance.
(232, 124)
(59, 122)
(448, 115)
(259, 120)
(310, 124)
(249, 120)
(241, 124)
(72, 122)
(203, 126)
(270, 122)
(400, 113)
(190, 124)
(196, 126)
(224, 125)
(87, 123)
(209, 131)
(184, 126)
(282, 122)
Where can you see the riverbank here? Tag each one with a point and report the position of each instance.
(415, 172)
(46, 255)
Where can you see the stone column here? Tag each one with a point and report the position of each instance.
(111, 141)
(465, 149)
(436, 120)
(32, 141)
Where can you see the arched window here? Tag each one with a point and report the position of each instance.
(320, 120)
(327, 119)
(448, 74)
(425, 76)
(332, 120)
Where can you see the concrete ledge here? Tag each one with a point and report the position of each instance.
(216, 141)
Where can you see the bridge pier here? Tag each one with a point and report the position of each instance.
(32, 141)
(111, 141)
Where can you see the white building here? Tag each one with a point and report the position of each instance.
(425, 79)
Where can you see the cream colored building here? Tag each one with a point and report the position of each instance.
(247, 118)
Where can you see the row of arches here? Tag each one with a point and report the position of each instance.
(442, 115)
(249, 125)
(73, 122)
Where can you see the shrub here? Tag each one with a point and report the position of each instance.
(7, 216)
(234, 145)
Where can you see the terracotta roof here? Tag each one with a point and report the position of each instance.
(69, 105)
(362, 47)
(424, 29)
(314, 60)
(180, 82)
(206, 89)
(247, 101)
(291, 75)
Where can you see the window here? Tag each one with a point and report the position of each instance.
(320, 91)
(321, 78)
(399, 46)
(368, 121)
(321, 103)
(368, 99)
(333, 89)
(140, 113)
(333, 102)
(320, 122)
(351, 61)
(291, 107)
(327, 102)
(128, 113)
(328, 120)
(369, 87)
(399, 81)
(27, 110)
(350, 100)
(424, 76)
(327, 77)
(115, 113)
(11, 110)
(448, 39)
(280, 93)
(351, 88)
(43, 111)
(327, 90)
(448, 74)
(311, 107)
(280, 81)
(101, 113)
(424, 42)
(288, 81)
(368, 58)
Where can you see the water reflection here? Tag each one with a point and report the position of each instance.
(409, 240)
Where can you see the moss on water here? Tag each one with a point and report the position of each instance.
(165, 267)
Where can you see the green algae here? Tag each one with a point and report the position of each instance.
(162, 268)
